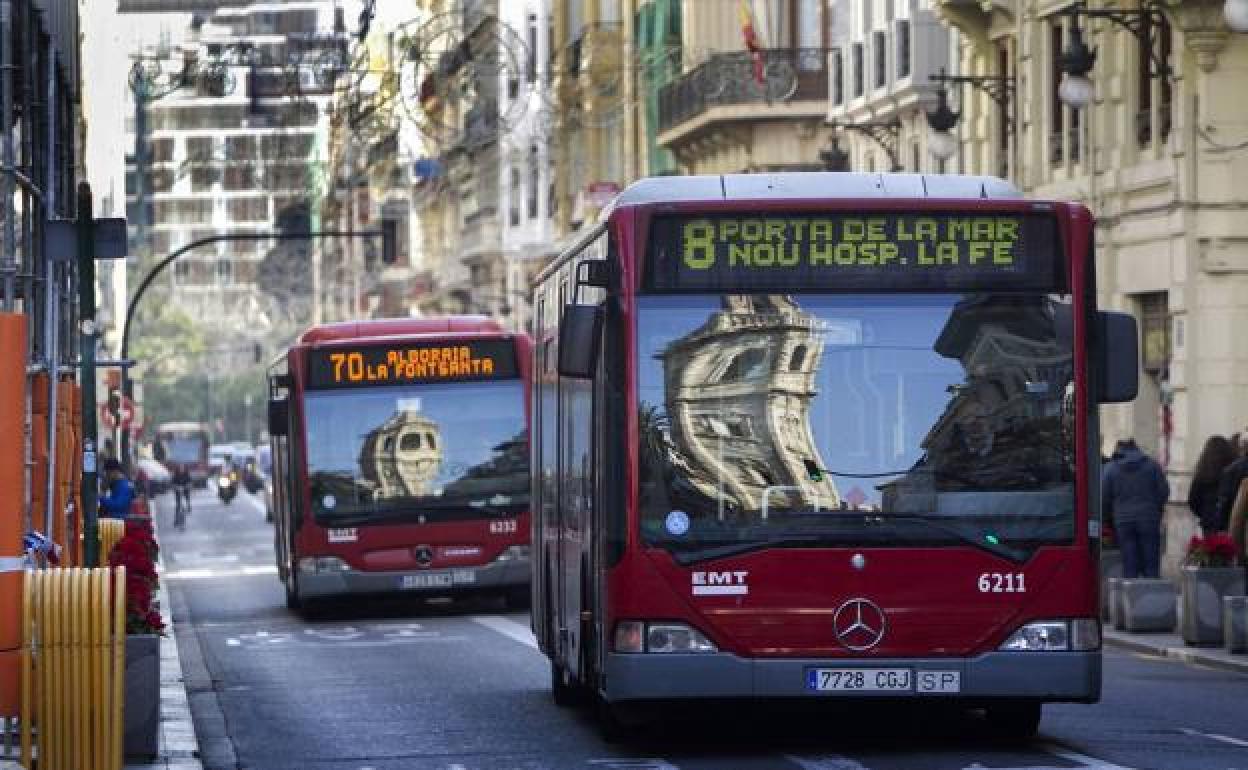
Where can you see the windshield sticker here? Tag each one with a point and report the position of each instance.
(677, 523)
(727, 583)
(344, 535)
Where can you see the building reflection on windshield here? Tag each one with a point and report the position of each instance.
(402, 456)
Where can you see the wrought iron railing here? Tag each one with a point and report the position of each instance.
(781, 75)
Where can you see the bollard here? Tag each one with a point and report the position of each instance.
(111, 530)
(73, 664)
(12, 480)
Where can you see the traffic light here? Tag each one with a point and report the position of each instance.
(389, 241)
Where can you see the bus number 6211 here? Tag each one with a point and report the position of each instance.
(1002, 583)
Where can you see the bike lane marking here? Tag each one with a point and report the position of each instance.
(1215, 737)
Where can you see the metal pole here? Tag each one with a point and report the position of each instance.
(8, 260)
(52, 301)
(86, 312)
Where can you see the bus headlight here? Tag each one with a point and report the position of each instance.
(313, 564)
(1079, 635)
(514, 553)
(659, 638)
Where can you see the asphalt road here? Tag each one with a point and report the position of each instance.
(405, 683)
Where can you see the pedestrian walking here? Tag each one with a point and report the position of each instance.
(1134, 491)
(1202, 495)
(1232, 476)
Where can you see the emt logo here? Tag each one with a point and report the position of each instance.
(728, 583)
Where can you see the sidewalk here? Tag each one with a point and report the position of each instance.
(1172, 646)
(179, 749)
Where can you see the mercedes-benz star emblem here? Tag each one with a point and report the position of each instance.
(424, 555)
(859, 624)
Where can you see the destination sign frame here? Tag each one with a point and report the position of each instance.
(411, 363)
(855, 251)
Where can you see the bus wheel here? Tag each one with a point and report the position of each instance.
(564, 692)
(618, 723)
(1014, 721)
(516, 598)
(293, 600)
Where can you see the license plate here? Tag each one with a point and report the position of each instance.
(426, 580)
(860, 679)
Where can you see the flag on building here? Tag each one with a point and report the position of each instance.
(749, 34)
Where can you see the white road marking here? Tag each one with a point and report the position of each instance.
(1215, 737)
(1091, 763)
(196, 573)
(508, 628)
(825, 762)
(628, 763)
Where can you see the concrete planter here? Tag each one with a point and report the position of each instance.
(1147, 605)
(1113, 603)
(1202, 589)
(1235, 623)
(141, 715)
(1111, 567)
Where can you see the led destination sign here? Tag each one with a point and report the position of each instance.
(408, 363)
(933, 251)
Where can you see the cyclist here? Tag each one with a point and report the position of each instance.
(181, 495)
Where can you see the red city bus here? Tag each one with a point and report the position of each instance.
(400, 459)
(823, 436)
(184, 443)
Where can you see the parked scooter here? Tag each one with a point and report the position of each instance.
(227, 486)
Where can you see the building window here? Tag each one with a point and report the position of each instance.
(903, 48)
(1144, 117)
(1004, 66)
(531, 64)
(534, 181)
(838, 77)
(879, 42)
(513, 198)
(1154, 331)
(858, 74)
(182, 272)
(916, 157)
(1056, 108)
(225, 272)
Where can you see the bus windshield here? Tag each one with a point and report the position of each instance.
(855, 419)
(422, 453)
(184, 447)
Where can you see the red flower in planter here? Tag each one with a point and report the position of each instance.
(137, 551)
(1216, 550)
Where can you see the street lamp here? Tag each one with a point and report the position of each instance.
(941, 143)
(1077, 60)
(885, 133)
(833, 157)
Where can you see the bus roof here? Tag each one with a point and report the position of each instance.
(807, 184)
(396, 327)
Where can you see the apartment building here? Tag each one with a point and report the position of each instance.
(1152, 137)
(231, 135)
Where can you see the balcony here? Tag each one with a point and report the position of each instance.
(730, 79)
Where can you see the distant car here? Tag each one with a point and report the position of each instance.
(157, 475)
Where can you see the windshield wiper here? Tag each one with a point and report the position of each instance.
(686, 558)
(985, 541)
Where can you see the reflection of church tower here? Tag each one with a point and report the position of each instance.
(402, 455)
(738, 392)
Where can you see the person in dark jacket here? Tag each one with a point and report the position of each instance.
(115, 504)
(1202, 495)
(1232, 476)
(1134, 492)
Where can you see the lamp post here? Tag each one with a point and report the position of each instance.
(1077, 60)
(942, 119)
(885, 133)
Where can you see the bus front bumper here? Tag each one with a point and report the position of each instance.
(1043, 676)
(493, 576)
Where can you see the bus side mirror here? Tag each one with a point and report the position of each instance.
(279, 416)
(1119, 358)
(578, 341)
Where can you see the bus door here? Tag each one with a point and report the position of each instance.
(575, 476)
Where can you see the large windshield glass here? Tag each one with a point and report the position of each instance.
(890, 419)
(183, 448)
(418, 452)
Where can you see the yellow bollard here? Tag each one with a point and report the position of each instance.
(73, 667)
